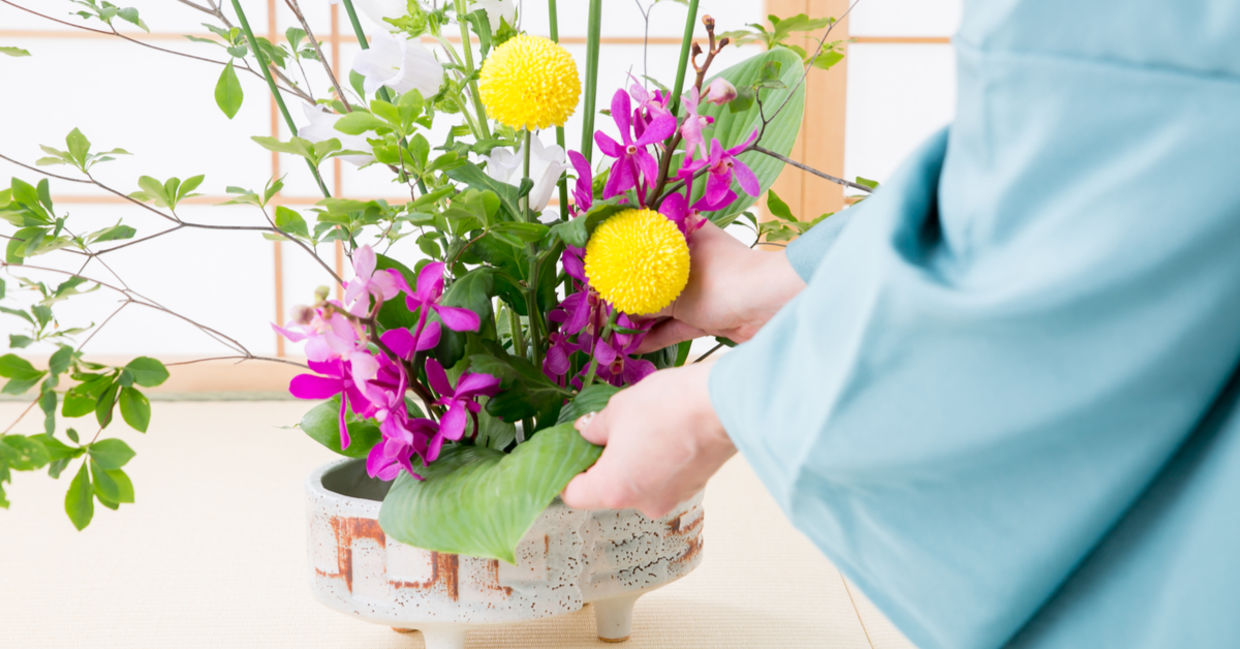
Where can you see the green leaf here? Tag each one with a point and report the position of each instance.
(322, 424)
(147, 372)
(732, 128)
(358, 122)
(288, 220)
(23, 453)
(114, 233)
(135, 409)
(13, 366)
(473, 176)
(18, 341)
(228, 93)
(9, 50)
(110, 453)
(106, 404)
(592, 399)
(79, 147)
(872, 184)
(479, 502)
(525, 390)
(777, 207)
(79, 503)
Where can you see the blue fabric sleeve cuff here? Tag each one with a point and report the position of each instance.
(805, 252)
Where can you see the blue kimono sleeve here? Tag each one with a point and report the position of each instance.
(1005, 346)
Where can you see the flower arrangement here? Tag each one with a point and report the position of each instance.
(456, 375)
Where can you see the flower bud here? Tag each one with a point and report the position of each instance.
(321, 293)
(302, 314)
(708, 21)
(720, 91)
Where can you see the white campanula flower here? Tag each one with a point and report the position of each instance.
(321, 125)
(547, 164)
(400, 63)
(498, 9)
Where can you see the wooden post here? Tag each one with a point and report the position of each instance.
(821, 142)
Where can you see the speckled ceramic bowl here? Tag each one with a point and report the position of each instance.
(567, 559)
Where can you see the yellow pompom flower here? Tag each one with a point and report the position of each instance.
(530, 82)
(638, 261)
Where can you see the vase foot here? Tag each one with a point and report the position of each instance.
(613, 617)
(439, 637)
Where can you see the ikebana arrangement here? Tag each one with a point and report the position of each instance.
(454, 375)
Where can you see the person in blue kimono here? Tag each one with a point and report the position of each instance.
(1002, 394)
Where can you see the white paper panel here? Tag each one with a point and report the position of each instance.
(905, 17)
(220, 278)
(159, 15)
(897, 96)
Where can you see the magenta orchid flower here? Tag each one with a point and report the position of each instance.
(633, 161)
(401, 440)
(331, 378)
(583, 190)
(426, 298)
(722, 166)
(691, 129)
(382, 285)
(616, 364)
(688, 218)
(459, 401)
(327, 338)
(405, 343)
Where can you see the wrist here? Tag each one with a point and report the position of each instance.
(770, 282)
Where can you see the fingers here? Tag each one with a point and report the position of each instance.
(597, 488)
(668, 332)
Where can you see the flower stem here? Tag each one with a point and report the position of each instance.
(470, 71)
(592, 44)
(554, 13)
(275, 91)
(685, 44)
(531, 293)
(593, 368)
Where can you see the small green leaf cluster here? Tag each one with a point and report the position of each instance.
(107, 12)
(96, 389)
(781, 30)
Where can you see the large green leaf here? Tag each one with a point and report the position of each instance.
(778, 67)
(322, 424)
(480, 502)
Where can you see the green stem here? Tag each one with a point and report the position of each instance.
(554, 14)
(592, 44)
(470, 71)
(593, 368)
(275, 90)
(686, 43)
(531, 293)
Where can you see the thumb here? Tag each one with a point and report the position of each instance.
(582, 492)
(667, 333)
(593, 427)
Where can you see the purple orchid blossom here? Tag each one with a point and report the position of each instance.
(722, 166)
(650, 106)
(688, 218)
(427, 296)
(460, 401)
(583, 190)
(331, 378)
(691, 129)
(633, 162)
(382, 285)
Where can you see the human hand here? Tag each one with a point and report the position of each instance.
(733, 290)
(663, 441)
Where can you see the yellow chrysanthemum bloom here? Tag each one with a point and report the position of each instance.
(530, 82)
(638, 261)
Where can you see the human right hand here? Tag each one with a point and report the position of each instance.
(733, 290)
